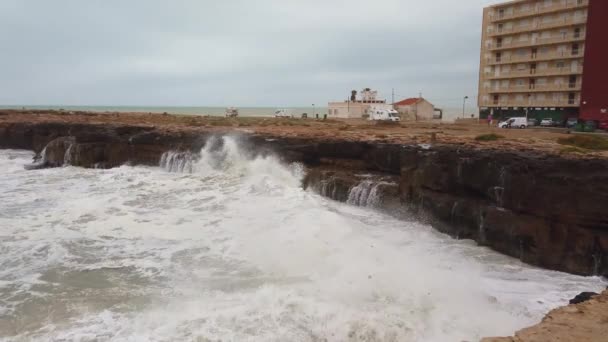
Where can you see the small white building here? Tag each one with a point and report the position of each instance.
(357, 107)
(415, 109)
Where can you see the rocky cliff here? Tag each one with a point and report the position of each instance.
(544, 209)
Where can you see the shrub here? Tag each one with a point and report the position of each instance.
(588, 142)
(489, 137)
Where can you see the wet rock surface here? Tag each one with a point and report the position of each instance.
(543, 209)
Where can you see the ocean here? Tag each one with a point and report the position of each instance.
(222, 246)
(450, 114)
(213, 111)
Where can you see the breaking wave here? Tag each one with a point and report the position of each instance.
(225, 245)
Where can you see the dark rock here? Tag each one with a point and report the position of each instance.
(583, 297)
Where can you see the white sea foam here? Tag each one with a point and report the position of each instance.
(233, 249)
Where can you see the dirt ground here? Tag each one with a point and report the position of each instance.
(462, 133)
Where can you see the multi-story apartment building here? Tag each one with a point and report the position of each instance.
(544, 58)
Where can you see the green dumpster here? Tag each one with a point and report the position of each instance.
(590, 126)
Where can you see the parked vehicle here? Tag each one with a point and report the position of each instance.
(532, 122)
(603, 125)
(571, 122)
(548, 122)
(232, 112)
(514, 123)
(281, 113)
(382, 114)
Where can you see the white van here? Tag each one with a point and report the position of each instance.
(382, 114)
(514, 123)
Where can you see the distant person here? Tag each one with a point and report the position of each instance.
(490, 120)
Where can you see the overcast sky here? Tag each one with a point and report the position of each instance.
(236, 52)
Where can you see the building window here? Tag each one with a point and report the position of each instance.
(575, 49)
(498, 57)
(572, 81)
(577, 32)
(571, 98)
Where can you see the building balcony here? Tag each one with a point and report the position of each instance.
(537, 10)
(536, 88)
(536, 42)
(535, 73)
(565, 22)
(532, 103)
(540, 57)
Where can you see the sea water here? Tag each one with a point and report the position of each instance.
(224, 246)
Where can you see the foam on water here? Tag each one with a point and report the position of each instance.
(231, 248)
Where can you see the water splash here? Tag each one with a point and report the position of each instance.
(43, 156)
(179, 162)
(67, 157)
(365, 194)
(327, 188)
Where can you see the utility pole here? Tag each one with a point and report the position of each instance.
(464, 103)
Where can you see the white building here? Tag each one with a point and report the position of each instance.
(415, 109)
(357, 108)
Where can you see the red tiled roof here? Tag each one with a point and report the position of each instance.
(409, 101)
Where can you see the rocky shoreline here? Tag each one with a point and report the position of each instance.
(543, 209)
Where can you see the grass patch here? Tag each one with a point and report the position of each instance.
(572, 149)
(489, 137)
(587, 142)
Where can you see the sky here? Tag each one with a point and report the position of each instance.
(236, 52)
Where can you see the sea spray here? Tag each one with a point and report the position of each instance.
(180, 162)
(236, 250)
(365, 194)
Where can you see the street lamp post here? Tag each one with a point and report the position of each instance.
(313, 110)
(464, 103)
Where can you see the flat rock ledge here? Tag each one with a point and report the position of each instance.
(584, 322)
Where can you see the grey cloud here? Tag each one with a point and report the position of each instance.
(267, 52)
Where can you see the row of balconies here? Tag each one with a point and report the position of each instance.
(538, 57)
(534, 88)
(537, 10)
(564, 22)
(567, 38)
(532, 102)
(530, 72)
